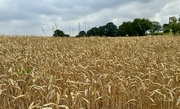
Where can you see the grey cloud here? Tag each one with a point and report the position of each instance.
(77, 8)
(30, 15)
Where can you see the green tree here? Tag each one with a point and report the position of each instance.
(110, 29)
(178, 27)
(126, 29)
(92, 32)
(173, 23)
(107, 30)
(101, 31)
(59, 33)
(141, 26)
(156, 27)
(81, 34)
(166, 28)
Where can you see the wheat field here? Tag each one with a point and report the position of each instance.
(90, 73)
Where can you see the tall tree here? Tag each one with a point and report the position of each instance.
(141, 26)
(173, 23)
(101, 31)
(110, 29)
(59, 33)
(92, 32)
(81, 34)
(156, 27)
(166, 28)
(126, 29)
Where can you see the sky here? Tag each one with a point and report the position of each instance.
(32, 17)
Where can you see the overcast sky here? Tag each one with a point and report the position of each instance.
(26, 17)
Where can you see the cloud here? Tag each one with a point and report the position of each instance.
(24, 17)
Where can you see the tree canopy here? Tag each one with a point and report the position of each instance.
(141, 26)
(110, 29)
(156, 27)
(81, 34)
(126, 29)
(92, 32)
(59, 33)
(137, 27)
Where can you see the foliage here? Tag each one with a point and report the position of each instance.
(126, 29)
(173, 26)
(81, 34)
(22, 70)
(137, 27)
(92, 32)
(110, 29)
(107, 30)
(156, 33)
(101, 31)
(141, 26)
(59, 33)
(166, 28)
(156, 27)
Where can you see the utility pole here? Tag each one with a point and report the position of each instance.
(53, 28)
(79, 26)
(61, 28)
(16, 30)
(55, 25)
(70, 31)
(85, 26)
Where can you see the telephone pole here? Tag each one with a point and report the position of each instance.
(79, 26)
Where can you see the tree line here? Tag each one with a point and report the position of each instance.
(137, 27)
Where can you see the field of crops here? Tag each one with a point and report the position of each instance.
(90, 73)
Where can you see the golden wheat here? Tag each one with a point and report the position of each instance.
(90, 73)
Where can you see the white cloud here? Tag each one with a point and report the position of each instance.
(24, 17)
